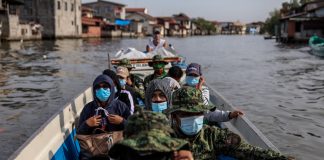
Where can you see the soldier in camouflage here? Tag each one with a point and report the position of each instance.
(208, 142)
(134, 80)
(148, 136)
(158, 64)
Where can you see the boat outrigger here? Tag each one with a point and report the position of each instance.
(55, 140)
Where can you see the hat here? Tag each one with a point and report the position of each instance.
(147, 131)
(122, 71)
(188, 99)
(194, 68)
(157, 58)
(125, 63)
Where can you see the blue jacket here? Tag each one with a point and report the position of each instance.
(114, 106)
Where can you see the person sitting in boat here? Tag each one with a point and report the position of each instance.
(133, 81)
(114, 117)
(158, 95)
(149, 141)
(195, 79)
(125, 96)
(158, 64)
(209, 142)
(156, 42)
(174, 76)
(158, 98)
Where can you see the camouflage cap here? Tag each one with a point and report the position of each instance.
(125, 63)
(188, 99)
(157, 58)
(148, 131)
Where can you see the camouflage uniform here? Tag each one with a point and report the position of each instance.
(138, 84)
(147, 136)
(211, 142)
(149, 78)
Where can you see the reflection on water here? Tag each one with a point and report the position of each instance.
(281, 88)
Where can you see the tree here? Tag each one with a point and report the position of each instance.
(272, 21)
(204, 25)
(302, 2)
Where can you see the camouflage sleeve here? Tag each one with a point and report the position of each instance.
(247, 151)
(232, 145)
(146, 82)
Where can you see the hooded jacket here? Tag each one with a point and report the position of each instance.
(158, 84)
(114, 106)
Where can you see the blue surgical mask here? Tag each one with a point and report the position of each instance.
(192, 81)
(159, 107)
(122, 82)
(103, 94)
(191, 125)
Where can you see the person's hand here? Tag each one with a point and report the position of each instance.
(235, 114)
(183, 155)
(201, 82)
(94, 121)
(115, 119)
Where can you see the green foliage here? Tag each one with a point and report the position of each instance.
(272, 21)
(204, 25)
(302, 2)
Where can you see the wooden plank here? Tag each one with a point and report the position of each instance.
(146, 60)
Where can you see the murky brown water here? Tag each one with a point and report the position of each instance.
(280, 88)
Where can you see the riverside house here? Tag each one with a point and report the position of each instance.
(184, 24)
(91, 26)
(11, 25)
(302, 23)
(142, 24)
(58, 18)
(113, 15)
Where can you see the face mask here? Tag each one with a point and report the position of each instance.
(192, 81)
(115, 89)
(191, 125)
(159, 107)
(158, 66)
(122, 82)
(103, 94)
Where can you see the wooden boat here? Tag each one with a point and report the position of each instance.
(317, 45)
(55, 139)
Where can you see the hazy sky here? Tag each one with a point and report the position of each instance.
(221, 10)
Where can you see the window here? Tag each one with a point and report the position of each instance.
(58, 5)
(12, 9)
(72, 7)
(24, 32)
(66, 6)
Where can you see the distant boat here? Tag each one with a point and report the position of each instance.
(317, 45)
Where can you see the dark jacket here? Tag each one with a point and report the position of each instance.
(114, 106)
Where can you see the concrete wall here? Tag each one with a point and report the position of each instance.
(56, 21)
(13, 29)
(67, 19)
(93, 31)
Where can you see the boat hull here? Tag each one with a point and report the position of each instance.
(55, 139)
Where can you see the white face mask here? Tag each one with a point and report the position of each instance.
(191, 125)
